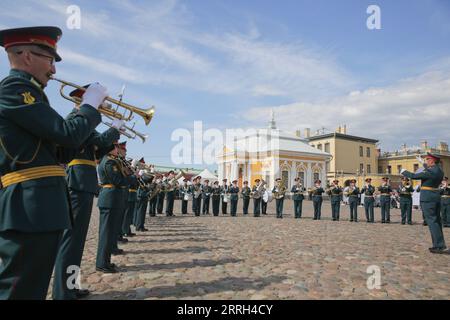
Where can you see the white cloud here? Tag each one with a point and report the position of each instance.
(409, 110)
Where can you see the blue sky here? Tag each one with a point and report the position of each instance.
(228, 63)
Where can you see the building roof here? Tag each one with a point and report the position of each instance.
(341, 136)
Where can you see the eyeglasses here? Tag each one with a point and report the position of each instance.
(51, 59)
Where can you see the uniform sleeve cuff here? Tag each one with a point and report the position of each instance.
(91, 113)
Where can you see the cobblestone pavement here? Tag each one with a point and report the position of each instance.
(207, 257)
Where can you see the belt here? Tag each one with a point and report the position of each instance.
(75, 162)
(429, 189)
(111, 186)
(445, 196)
(132, 190)
(32, 174)
(353, 195)
(385, 194)
(368, 196)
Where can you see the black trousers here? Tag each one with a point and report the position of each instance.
(298, 208)
(279, 205)
(28, 261)
(197, 205)
(317, 203)
(224, 207)
(256, 207)
(335, 209)
(263, 207)
(160, 205)
(353, 203)
(385, 203)
(107, 237)
(406, 209)
(216, 205)
(205, 208)
(246, 202)
(184, 206)
(169, 204)
(368, 207)
(233, 208)
(152, 206)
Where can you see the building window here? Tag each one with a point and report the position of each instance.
(316, 176)
(313, 146)
(416, 167)
(399, 168)
(361, 168)
(369, 169)
(368, 152)
(319, 146)
(327, 166)
(301, 175)
(380, 169)
(361, 151)
(389, 169)
(327, 147)
(285, 178)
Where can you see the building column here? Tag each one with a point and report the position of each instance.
(220, 171)
(309, 176)
(293, 173)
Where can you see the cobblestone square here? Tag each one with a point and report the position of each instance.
(207, 257)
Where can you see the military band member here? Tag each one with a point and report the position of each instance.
(83, 183)
(369, 200)
(298, 197)
(430, 199)
(113, 179)
(216, 191)
(130, 209)
(225, 189)
(256, 195)
(317, 193)
(245, 197)
(234, 198)
(197, 196)
(142, 198)
(385, 200)
(206, 195)
(170, 193)
(405, 192)
(34, 206)
(445, 203)
(279, 190)
(161, 196)
(352, 192)
(335, 192)
(184, 195)
(154, 190)
(263, 203)
(120, 238)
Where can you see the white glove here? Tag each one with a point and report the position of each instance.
(403, 170)
(420, 159)
(134, 163)
(141, 173)
(95, 95)
(118, 124)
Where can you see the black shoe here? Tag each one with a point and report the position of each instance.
(410, 223)
(424, 223)
(446, 225)
(142, 230)
(383, 221)
(117, 252)
(123, 240)
(106, 270)
(439, 250)
(130, 235)
(403, 222)
(351, 220)
(82, 293)
(388, 221)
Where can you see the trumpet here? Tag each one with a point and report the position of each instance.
(107, 109)
(127, 131)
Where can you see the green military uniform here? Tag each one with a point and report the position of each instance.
(445, 206)
(216, 199)
(256, 201)
(430, 200)
(335, 194)
(34, 201)
(234, 198)
(206, 196)
(83, 184)
(131, 206)
(141, 208)
(353, 193)
(317, 199)
(184, 195)
(298, 197)
(280, 201)
(385, 203)
(111, 203)
(369, 202)
(405, 192)
(245, 198)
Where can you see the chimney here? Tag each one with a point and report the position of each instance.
(344, 129)
(307, 133)
(378, 152)
(298, 133)
(424, 145)
(443, 146)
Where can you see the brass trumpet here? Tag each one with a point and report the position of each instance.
(107, 109)
(132, 134)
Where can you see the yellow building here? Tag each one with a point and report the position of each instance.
(351, 155)
(393, 162)
(269, 154)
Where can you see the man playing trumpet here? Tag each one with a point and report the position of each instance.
(352, 192)
(279, 192)
(298, 197)
(369, 200)
(335, 193)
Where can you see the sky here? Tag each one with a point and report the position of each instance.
(229, 63)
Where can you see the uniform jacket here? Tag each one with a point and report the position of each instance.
(431, 177)
(32, 134)
(297, 193)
